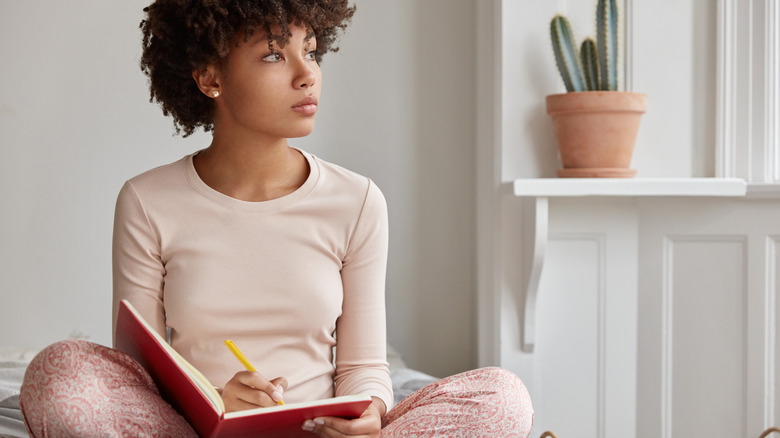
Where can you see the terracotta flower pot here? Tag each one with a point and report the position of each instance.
(596, 132)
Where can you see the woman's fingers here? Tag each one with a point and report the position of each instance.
(256, 388)
(332, 427)
(281, 385)
(250, 389)
(240, 405)
(369, 425)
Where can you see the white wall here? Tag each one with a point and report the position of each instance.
(75, 123)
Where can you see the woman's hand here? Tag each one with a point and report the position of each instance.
(367, 425)
(249, 390)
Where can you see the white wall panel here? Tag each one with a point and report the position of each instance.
(707, 324)
(582, 371)
(771, 411)
(570, 330)
(704, 324)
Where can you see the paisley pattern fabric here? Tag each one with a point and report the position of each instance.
(79, 389)
(487, 402)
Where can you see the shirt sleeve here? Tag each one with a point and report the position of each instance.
(138, 270)
(361, 343)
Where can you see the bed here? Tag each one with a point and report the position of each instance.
(13, 364)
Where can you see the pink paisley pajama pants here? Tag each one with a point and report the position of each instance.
(80, 389)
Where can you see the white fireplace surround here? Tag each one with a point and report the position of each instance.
(644, 307)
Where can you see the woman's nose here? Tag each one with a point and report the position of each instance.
(306, 76)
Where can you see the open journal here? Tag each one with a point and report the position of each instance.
(193, 396)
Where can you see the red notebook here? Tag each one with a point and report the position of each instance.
(191, 394)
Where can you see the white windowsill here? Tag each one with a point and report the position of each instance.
(563, 187)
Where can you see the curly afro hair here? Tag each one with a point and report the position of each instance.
(181, 36)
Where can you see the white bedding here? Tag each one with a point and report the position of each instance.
(11, 375)
(14, 363)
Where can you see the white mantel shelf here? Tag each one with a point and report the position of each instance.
(537, 192)
(563, 187)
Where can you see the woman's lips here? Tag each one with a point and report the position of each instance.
(307, 106)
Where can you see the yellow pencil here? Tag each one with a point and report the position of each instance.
(241, 358)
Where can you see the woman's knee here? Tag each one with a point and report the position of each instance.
(51, 373)
(486, 402)
(508, 382)
(54, 366)
(69, 382)
(516, 398)
(69, 364)
(507, 394)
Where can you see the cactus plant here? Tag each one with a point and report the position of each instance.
(590, 64)
(597, 60)
(565, 55)
(606, 34)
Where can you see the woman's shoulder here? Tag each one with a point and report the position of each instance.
(351, 193)
(159, 185)
(170, 175)
(162, 174)
(336, 177)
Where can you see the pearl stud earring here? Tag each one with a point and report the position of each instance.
(215, 93)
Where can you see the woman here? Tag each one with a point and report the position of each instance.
(256, 241)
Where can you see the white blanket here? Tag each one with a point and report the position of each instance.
(406, 381)
(11, 376)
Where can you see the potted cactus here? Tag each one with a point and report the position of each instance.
(595, 125)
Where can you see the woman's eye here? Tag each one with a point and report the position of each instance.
(312, 55)
(273, 57)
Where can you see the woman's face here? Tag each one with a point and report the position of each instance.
(272, 91)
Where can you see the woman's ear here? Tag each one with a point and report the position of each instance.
(207, 80)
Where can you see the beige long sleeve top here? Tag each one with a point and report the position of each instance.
(289, 280)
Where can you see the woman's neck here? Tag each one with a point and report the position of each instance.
(251, 171)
